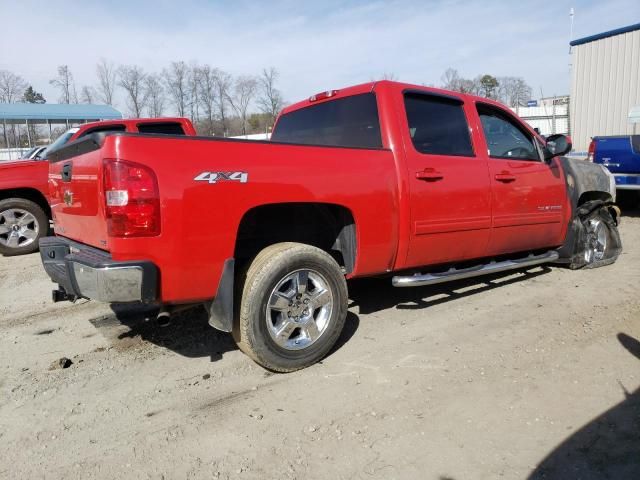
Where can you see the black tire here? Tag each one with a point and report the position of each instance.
(601, 243)
(268, 270)
(39, 227)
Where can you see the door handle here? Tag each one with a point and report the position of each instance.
(505, 177)
(429, 175)
(66, 172)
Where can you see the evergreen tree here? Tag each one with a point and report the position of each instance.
(31, 96)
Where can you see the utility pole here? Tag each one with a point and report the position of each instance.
(571, 15)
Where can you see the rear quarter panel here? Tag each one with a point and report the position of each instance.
(200, 220)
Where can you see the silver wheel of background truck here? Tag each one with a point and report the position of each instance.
(292, 307)
(22, 223)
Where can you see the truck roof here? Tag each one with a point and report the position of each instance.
(371, 87)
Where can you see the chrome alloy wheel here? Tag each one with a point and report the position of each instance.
(596, 244)
(299, 309)
(18, 228)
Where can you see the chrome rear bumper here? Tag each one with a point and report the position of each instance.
(86, 272)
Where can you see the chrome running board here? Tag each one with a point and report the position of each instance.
(419, 280)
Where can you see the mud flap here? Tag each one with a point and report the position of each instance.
(572, 252)
(221, 308)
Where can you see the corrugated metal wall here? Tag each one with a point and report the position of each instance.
(605, 84)
(547, 119)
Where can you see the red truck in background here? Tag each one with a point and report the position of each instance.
(381, 179)
(24, 191)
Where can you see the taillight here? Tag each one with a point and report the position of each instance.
(132, 199)
(592, 151)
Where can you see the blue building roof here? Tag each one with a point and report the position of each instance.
(52, 111)
(610, 33)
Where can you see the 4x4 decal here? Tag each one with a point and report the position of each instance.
(214, 177)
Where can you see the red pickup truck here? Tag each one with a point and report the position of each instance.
(24, 209)
(381, 179)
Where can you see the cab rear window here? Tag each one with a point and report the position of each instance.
(164, 128)
(345, 122)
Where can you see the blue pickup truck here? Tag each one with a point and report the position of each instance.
(621, 155)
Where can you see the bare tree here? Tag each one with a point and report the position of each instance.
(244, 90)
(132, 81)
(270, 100)
(64, 82)
(12, 87)
(155, 95)
(207, 91)
(451, 79)
(470, 86)
(513, 91)
(223, 83)
(384, 76)
(194, 101)
(87, 94)
(176, 80)
(107, 78)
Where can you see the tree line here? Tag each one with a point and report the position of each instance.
(217, 102)
(512, 91)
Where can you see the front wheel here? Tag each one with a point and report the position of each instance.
(601, 240)
(292, 308)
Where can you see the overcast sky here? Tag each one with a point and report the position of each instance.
(315, 45)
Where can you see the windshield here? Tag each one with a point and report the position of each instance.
(29, 153)
(61, 140)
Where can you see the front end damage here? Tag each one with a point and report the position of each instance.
(591, 192)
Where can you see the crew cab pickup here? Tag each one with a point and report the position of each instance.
(24, 207)
(621, 155)
(381, 179)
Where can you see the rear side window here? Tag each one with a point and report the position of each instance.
(104, 128)
(505, 137)
(164, 128)
(437, 125)
(345, 122)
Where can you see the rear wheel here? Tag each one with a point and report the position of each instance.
(292, 308)
(22, 223)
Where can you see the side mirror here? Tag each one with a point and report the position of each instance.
(557, 145)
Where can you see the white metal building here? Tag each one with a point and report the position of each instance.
(605, 84)
(549, 116)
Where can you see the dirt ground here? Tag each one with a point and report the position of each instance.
(531, 374)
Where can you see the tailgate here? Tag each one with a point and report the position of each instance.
(618, 153)
(75, 189)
